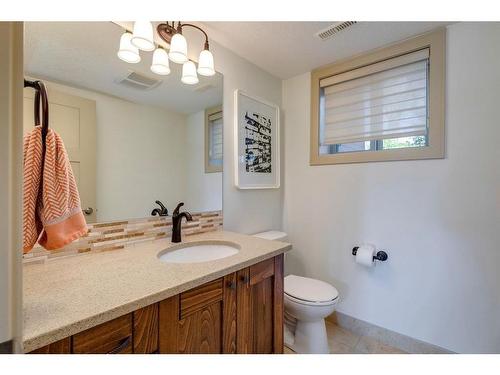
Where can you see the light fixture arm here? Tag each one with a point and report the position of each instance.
(181, 25)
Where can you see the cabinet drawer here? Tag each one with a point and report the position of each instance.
(59, 347)
(200, 297)
(113, 337)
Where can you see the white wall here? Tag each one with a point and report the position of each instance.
(139, 158)
(203, 190)
(437, 219)
(140, 155)
(245, 211)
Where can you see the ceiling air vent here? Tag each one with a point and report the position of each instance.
(334, 29)
(139, 81)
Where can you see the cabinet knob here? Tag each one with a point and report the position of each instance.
(244, 279)
(231, 285)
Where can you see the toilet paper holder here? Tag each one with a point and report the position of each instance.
(381, 254)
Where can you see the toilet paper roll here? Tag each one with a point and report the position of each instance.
(364, 255)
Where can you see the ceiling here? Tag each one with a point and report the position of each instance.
(83, 54)
(286, 49)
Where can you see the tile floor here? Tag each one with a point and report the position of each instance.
(342, 341)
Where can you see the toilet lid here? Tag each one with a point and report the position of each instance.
(272, 235)
(308, 289)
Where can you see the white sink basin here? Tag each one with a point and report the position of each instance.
(197, 252)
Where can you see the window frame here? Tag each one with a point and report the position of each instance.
(436, 42)
(210, 168)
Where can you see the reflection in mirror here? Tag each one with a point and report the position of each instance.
(133, 137)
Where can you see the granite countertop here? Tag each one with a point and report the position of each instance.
(65, 296)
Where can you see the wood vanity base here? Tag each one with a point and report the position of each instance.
(239, 313)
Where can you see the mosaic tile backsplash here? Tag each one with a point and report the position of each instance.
(118, 234)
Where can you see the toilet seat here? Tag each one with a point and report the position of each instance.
(307, 291)
(310, 303)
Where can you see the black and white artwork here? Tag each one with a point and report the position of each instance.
(257, 142)
(258, 148)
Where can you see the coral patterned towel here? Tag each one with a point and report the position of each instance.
(51, 210)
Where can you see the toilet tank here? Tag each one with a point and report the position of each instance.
(273, 235)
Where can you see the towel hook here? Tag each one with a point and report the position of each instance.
(40, 95)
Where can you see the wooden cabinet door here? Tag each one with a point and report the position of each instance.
(260, 307)
(229, 314)
(191, 323)
(146, 330)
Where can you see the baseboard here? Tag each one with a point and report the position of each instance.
(394, 339)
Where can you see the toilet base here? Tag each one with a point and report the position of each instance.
(289, 337)
(310, 338)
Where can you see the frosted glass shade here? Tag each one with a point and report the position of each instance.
(143, 36)
(160, 62)
(206, 63)
(178, 49)
(127, 51)
(189, 76)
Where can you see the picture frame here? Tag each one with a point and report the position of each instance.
(256, 142)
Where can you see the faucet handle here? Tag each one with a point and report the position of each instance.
(163, 208)
(162, 211)
(176, 211)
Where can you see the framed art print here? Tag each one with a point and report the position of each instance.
(257, 145)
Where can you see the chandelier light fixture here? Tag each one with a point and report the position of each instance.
(128, 52)
(142, 39)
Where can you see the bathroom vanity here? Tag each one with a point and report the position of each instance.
(129, 301)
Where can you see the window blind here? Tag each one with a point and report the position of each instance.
(384, 100)
(215, 151)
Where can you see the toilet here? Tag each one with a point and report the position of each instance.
(307, 303)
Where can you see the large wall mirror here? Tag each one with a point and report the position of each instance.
(133, 137)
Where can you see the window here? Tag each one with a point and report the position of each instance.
(385, 105)
(213, 139)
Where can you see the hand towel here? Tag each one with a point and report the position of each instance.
(52, 214)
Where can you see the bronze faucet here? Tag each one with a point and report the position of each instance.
(176, 222)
